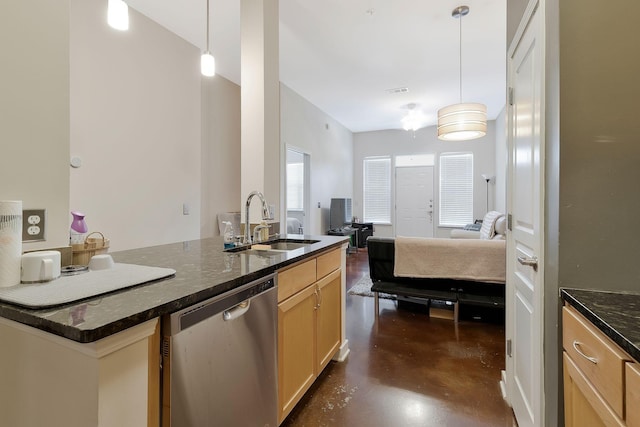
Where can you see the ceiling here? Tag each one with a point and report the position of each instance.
(344, 55)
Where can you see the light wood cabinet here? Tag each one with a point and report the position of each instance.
(309, 325)
(296, 344)
(633, 394)
(596, 375)
(328, 318)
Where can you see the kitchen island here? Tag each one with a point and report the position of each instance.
(71, 364)
(601, 342)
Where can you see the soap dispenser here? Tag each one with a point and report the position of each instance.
(79, 229)
(228, 235)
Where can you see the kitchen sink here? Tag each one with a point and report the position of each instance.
(274, 247)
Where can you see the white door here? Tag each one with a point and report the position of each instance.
(524, 293)
(414, 201)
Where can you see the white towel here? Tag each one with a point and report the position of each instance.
(461, 259)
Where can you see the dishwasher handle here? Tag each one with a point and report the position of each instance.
(237, 311)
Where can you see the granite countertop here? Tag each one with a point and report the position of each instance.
(616, 314)
(203, 270)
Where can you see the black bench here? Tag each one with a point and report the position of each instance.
(381, 252)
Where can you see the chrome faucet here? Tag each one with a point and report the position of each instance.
(265, 214)
(257, 232)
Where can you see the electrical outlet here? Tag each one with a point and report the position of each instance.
(33, 225)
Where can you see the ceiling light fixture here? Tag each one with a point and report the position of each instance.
(207, 61)
(118, 15)
(414, 120)
(463, 121)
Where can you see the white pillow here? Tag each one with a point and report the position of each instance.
(489, 224)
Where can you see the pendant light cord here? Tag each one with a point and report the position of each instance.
(207, 26)
(460, 56)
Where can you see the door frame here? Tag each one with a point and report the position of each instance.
(508, 381)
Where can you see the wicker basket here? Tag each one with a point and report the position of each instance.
(83, 252)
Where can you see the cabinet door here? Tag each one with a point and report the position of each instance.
(296, 349)
(583, 405)
(633, 395)
(328, 317)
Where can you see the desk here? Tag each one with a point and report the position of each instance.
(364, 230)
(347, 231)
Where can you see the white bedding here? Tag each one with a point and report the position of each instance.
(461, 259)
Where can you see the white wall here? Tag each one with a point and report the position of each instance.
(135, 123)
(34, 111)
(220, 160)
(400, 142)
(330, 146)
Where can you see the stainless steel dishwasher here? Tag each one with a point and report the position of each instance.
(220, 360)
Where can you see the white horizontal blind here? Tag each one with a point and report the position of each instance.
(377, 190)
(295, 186)
(456, 189)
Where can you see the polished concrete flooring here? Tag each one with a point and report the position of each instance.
(409, 369)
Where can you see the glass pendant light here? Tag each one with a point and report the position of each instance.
(462, 121)
(118, 15)
(207, 61)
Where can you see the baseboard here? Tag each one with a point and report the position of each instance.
(342, 353)
(503, 385)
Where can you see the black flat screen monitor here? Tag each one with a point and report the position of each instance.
(340, 213)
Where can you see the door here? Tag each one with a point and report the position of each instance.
(329, 325)
(525, 369)
(414, 201)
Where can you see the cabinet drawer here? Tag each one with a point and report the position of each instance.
(296, 278)
(328, 262)
(633, 395)
(583, 405)
(600, 360)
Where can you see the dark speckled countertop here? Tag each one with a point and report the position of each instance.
(616, 314)
(203, 270)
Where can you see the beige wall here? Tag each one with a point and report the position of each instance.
(599, 145)
(330, 146)
(34, 111)
(220, 152)
(135, 122)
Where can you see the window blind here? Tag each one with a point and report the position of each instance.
(456, 189)
(377, 190)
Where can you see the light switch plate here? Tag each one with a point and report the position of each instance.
(33, 225)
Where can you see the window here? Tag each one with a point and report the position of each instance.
(295, 186)
(456, 189)
(377, 190)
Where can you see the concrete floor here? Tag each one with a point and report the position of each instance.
(409, 369)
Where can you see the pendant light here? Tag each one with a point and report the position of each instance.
(207, 61)
(462, 121)
(118, 15)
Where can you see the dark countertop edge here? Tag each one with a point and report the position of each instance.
(85, 336)
(601, 324)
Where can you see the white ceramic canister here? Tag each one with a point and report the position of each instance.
(40, 266)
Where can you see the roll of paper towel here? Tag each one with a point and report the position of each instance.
(10, 242)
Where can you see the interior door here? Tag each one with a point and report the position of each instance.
(525, 369)
(414, 201)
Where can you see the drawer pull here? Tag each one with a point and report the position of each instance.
(576, 346)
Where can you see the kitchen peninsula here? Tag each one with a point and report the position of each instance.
(601, 343)
(96, 361)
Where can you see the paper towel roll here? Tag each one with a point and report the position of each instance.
(10, 242)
